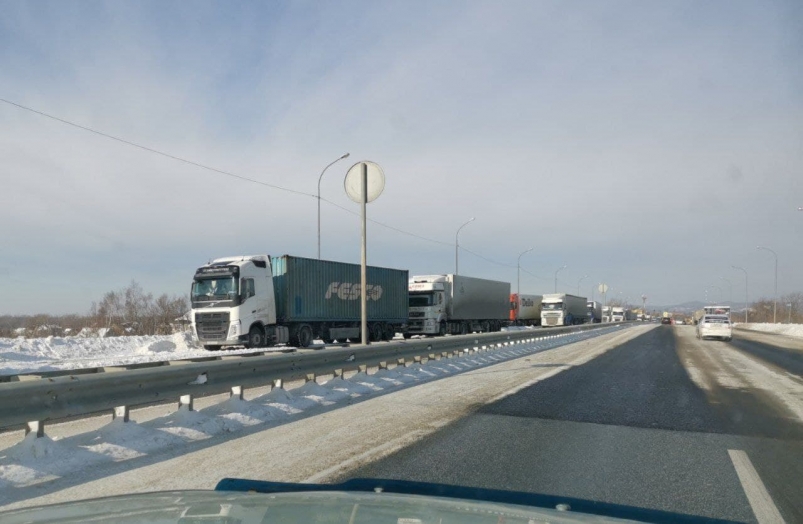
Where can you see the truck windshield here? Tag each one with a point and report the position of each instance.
(214, 288)
(552, 305)
(422, 299)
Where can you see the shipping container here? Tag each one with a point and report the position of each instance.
(311, 290)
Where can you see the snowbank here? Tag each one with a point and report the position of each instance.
(790, 330)
(20, 355)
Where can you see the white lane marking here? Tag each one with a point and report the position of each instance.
(760, 501)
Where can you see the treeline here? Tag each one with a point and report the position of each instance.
(789, 307)
(127, 311)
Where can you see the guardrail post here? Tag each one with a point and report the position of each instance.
(278, 383)
(433, 356)
(383, 365)
(35, 426)
(309, 378)
(339, 373)
(363, 368)
(400, 362)
(417, 359)
(185, 402)
(120, 412)
(236, 391)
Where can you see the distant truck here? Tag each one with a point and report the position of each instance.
(560, 309)
(455, 304)
(718, 310)
(606, 313)
(525, 310)
(618, 314)
(259, 301)
(594, 312)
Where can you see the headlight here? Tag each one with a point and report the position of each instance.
(234, 330)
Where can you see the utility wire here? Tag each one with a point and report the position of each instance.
(156, 151)
(233, 175)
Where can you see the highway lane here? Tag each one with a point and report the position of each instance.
(662, 421)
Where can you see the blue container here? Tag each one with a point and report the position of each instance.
(311, 290)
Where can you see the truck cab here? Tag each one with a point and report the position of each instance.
(427, 305)
(617, 314)
(229, 297)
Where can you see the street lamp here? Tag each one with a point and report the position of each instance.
(319, 200)
(456, 245)
(556, 276)
(775, 296)
(745, 291)
(518, 283)
(730, 289)
(578, 283)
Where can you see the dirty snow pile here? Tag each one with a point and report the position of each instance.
(21, 355)
(790, 330)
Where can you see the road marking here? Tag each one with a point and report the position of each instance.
(760, 501)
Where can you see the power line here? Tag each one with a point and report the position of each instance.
(156, 151)
(234, 175)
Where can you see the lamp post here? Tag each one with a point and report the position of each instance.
(775, 295)
(556, 276)
(457, 245)
(745, 290)
(319, 200)
(518, 283)
(578, 283)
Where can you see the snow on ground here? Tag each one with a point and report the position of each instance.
(790, 330)
(21, 355)
(35, 461)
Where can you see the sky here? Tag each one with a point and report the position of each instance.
(648, 145)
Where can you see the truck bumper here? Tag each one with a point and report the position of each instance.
(422, 327)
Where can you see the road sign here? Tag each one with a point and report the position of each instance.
(603, 288)
(353, 182)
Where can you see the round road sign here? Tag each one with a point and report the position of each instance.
(375, 185)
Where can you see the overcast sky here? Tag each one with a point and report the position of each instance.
(649, 145)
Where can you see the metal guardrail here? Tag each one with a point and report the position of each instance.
(33, 402)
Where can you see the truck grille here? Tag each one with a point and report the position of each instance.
(416, 314)
(212, 326)
(552, 321)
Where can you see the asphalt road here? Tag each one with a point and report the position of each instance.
(664, 421)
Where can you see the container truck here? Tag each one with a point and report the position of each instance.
(594, 312)
(560, 309)
(617, 314)
(258, 301)
(455, 304)
(525, 310)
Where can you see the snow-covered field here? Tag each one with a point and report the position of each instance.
(790, 330)
(21, 355)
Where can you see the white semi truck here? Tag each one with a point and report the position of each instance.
(455, 304)
(560, 309)
(258, 301)
(594, 312)
(617, 314)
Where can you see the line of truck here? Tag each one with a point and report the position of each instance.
(260, 301)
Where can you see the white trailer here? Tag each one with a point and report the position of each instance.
(594, 312)
(525, 310)
(455, 304)
(561, 309)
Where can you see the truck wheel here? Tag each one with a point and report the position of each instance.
(390, 332)
(256, 337)
(463, 328)
(212, 348)
(442, 329)
(304, 336)
(486, 327)
(376, 332)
